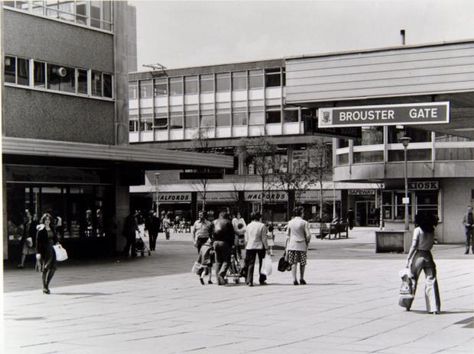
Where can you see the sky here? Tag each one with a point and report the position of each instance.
(180, 34)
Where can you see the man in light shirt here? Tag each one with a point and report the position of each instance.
(201, 230)
(256, 241)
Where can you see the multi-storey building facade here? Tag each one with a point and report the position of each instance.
(65, 119)
(280, 100)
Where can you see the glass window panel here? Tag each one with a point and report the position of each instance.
(191, 107)
(23, 67)
(81, 12)
(161, 87)
(191, 120)
(108, 85)
(222, 82)
(368, 156)
(207, 83)
(133, 91)
(223, 119)
(39, 74)
(416, 135)
(207, 120)
(343, 159)
(191, 85)
(370, 136)
(273, 117)
(22, 5)
(412, 155)
(290, 116)
(207, 106)
(96, 78)
(272, 77)
(239, 81)
(61, 78)
(51, 8)
(146, 88)
(239, 118)
(176, 120)
(257, 118)
(9, 3)
(10, 69)
(256, 104)
(176, 86)
(82, 81)
(133, 125)
(178, 108)
(95, 8)
(461, 153)
(255, 79)
(161, 121)
(37, 7)
(66, 10)
(107, 11)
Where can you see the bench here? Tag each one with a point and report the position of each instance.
(338, 230)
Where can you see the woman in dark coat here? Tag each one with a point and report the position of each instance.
(27, 242)
(45, 239)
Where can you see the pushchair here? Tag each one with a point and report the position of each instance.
(236, 270)
(140, 245)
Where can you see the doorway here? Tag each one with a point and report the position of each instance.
(365, 213)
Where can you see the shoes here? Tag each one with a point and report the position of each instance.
(210, 282)
(467, 252)
(46, 291)
(220, 280)
(250, 284)
(20, 266)
(435, 312)
(202, 281)
(295, 282)
(302, 282)
(263, 283)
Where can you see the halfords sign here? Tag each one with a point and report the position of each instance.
(269, 196)
(396, 114)
(174, 198)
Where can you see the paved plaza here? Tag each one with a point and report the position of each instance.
(155, 305)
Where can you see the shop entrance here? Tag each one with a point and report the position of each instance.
(366, 213)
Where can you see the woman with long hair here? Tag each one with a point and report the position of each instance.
(420, 258)
(45, 240)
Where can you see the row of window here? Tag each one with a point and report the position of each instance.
(221, 118)
(42, 75)
(224, 82)
(96, 14)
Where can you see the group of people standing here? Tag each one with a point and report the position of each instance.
(215, 241)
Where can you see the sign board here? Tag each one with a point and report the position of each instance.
(314, 195)
(274, 196)
(361, 191)
(174, 198)
(395, 114)
(423, 185)
(219, 197)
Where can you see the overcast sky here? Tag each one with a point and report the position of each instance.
(180, 34)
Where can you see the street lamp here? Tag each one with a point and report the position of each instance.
(405, 141)
(157, 195)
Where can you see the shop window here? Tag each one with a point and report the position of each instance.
(10, 69)
(239, 81)
(222, 82)
(146, 89)
(207, 83)
(161, 87)
(427, 202)
(272, 77)
(255, 79)
(400, 207)
(61, 78)
(176, 86)
(81, 81)
(191, 85)
(290, 116)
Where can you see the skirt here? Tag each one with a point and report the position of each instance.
(297, 257)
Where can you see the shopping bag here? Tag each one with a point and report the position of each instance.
(196, 269)
(61, 254)
(267, 266)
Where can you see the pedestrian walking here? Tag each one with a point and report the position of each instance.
(350, 218)
(205, 261)
(420, 258)
(223, 235)
(45, 240)
(167, 225)
(297, 242)
(468, 222)
(201, 230)
(28, 238)
(239, 225)
(270, 238)
(152, 226)
(256, 245)
(130, 229)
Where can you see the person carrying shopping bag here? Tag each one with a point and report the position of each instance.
(256, 244)
(297, 242)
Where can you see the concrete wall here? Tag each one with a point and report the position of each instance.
(456, 194)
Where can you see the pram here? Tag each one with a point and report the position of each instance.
(236, 270)
(140, 245)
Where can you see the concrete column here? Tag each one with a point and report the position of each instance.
(122, 208)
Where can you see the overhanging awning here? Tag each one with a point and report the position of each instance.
(113, 153)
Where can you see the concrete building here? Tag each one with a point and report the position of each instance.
(65, 119)
(280, 99)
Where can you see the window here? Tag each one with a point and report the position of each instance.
(239, 113)
(176, 117)
(161, 87)
(81, 12)
(161, 118)
(23, 68)
(207, 83)
(239, 81)
(416, 135)
(272, 77)
(10, 69)
(133, 120)
(256, 114)
(427, 202)
(82, 81)
(176, 86)
(191, 116)
(61, 78)
(255, 79)
(95, 10)
(222, 82)
(146, 89)
(133, 91)
(370, 136)
(96, 78)
(107, 78)
(273, 115)
(223, 114)
(191, 85)
(207, 115)
(39, 69)
(290, 116)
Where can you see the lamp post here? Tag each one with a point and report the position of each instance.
(157, 195)
(405, 141)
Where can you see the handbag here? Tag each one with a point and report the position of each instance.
(61, 254)
(267, 266)
(283, 264)
(29, 242)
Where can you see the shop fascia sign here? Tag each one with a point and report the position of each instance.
(423, 185)
(174, 197)
(219, 196)
(269, 196)
(395, 114)
(362, 191)
(315, 196)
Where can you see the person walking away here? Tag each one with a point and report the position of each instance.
(350, 218)
(223, 235)
(239, 226)
(28, 238)
(45, 240)
(167, 225)
(130, 228)
(256, 244)
(270, 238)
(420, 258)
(201, 230)
(468, 222)
(297, 242)
(152, 225)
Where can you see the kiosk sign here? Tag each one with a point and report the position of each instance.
(396, 114)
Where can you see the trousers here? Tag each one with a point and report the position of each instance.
(222, 251)
(469, 242)
(250, 256)
(423, 260)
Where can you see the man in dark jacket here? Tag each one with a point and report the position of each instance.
(129, 232)
(223, 240)
(152, 224)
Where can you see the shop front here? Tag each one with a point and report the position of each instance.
(177, 204)
(311, 201)
(364, 203)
